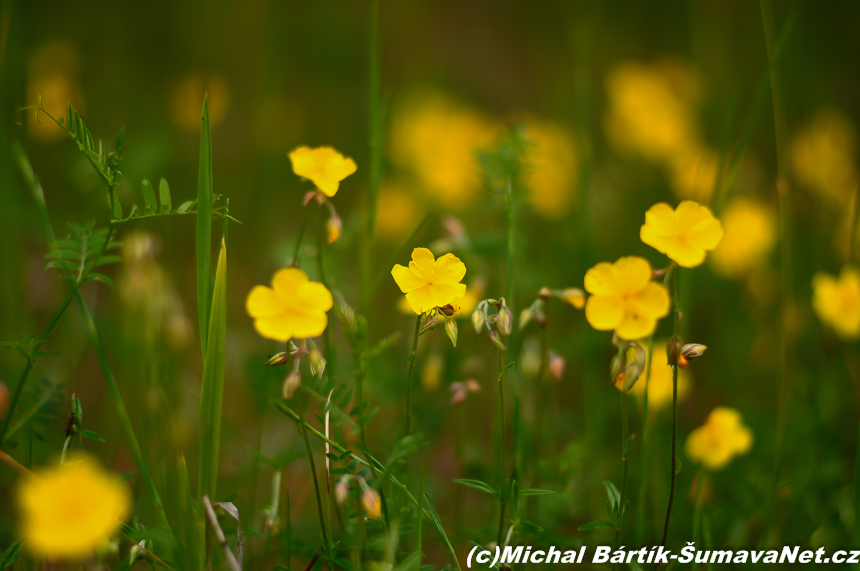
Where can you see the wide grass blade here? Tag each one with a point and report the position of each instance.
(204, 228)
(212, 390)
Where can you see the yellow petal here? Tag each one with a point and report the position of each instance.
(313, 296)
(443, 294)
(422, 299)
(309, 324)
(276, 327)
(631, 273)
(635, 325)
(287, 281)
(264, 302)
(600, 280)
(685, 255)
(423, 262)
(449, 269)
(652, 300)
(406, 279)
(603, 312)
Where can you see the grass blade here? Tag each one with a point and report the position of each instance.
(204, 228)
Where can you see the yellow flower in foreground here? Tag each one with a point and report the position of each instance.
(292, 307)
(429, 282)
(624, 298)
(749, 236)
(683, 234)
(719, 440)
(837, 301)
(660, 383)
(323, 166)
(71, 510)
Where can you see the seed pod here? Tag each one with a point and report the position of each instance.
(291, 385)
(278, 359)
(452, 331)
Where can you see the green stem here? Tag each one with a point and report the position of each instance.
(328, 349)
(640, 514)
(296, 254)
(697, 509)
(410, 374)
(502, 455)
(375, 143)
(303, 430)
(625, 427)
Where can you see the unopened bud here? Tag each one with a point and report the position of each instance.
(545, 293)
(138, 551)
(452, 331)
(278, 359)
(371, 503)
(504, 319)
(496, 340)
(479, 317)
(341, 489)
(573, 296)
(458, 393)
(334, 227)
(430, 323)
(291, 385)
(689, 352)
(673, 350)
(317, 362)
(450, 310)
(627, 367)
(556, 366)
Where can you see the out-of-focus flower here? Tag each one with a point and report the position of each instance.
(334, 227)
(396, 211)
(690, 351)
(341, 489)
(720, 439)
(71, 510)
(573, 296)
(837, 301)
(749, 236)
(292, 307)
(431, 372)
(323, 166)
(683, 234)
(624, 299)
(555, 366)
(627, 366)
(435, 137)
(460, 390)
(823, 155)
(652, 108)
(186, 101)
(53, 74)
(371, 503)
(551, 168)
(429, 282)
(660, 382)
(693, 173)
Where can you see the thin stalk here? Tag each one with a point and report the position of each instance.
(6, 459)
(328, 349)
(375, 143)
(502, 481)
(625, 429)
(410, 374)
(296, 260)
(640, 514)
(302, 429)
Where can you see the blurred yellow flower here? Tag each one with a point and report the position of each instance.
(431, 372)
(651, 108)
(54, 75)
(823, 155)
(573, 296)
(323, 166)
(749, 236)
(660, 383)
(624, 298)
(429, 282)
(837, 301)
(720, 439)
(396, 211)
(371, 503)
(71, 510)
(292, 307)
(551, 168)
(435, 137)
(186, 104)
(683, 234)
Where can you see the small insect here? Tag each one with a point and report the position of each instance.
(70, 424)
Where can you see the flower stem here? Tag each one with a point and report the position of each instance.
(375, 143)
(625, 427)
(328, 349)
(316, 482)
(640, 514)
(502, 456)
(410, 373)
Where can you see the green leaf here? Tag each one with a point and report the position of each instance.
(478, 485)
(127, 476)
(99, 277)
(76, 408)
(627, 446)
(164, 194)
(91, 435)
(183, 208)
(204, 228)
(11, 554)
(612, 494)
(590, 526)
(535, 492)
(212, 391)
(117, 207)
(529, 527)
(148, 197)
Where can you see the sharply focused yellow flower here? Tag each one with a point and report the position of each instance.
(71, 510)
(624, 298)
(749, 235)
(683, 234)
(720, 439)
(837, 301)
(292, 307)
(429, 282)
(660, 383)
(323, 166)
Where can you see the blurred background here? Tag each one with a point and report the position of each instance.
(623, 104)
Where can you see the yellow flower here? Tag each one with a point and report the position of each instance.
(837, 301)
(719, 440)
(624, 298)
(551, 173)
(292, 307)
(371, 503)
(749, 236)
(660, 383)
(465, 305)
(683, 234)
(823, 156)
(428, 282)
(186, 102)
(71, 510)
(323, 166)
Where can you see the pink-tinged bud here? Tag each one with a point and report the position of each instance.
(341, 489)
(454, 226)
(371, 503)
(673, 350)
(138, 551)
(573, 296)
(430, 322)
(459, 395)
(689, 352)
(496, 340)
(556, 366)
(317, 362)
(473, 386)
(313, 195)
(334, 228)
(291, 385)
(452, 331)
(278, 359)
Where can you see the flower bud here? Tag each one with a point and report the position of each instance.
(573, 296)
(371, 503)
(627, 367)
(317, 362)
(504, 319)
(689, 352)
(452, 331)
(334, 227)
(479, 317)
(526, 316)
(450, 310)
(138, 551)
(545, 293)
(496, 340)
(555, 366)
(341, 489)
(278, 359)
(459, 394)
(673, 350)
(291, 385)
(313, 195)
(430, 322)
